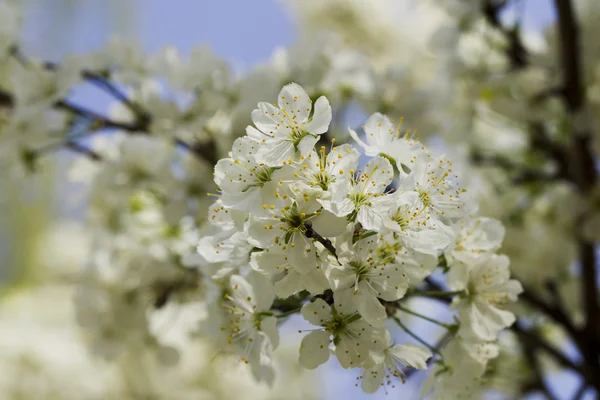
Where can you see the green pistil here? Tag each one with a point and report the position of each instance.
(400, 219)
(297, 136)
(360, 199)
(361, 269)
(322, 179)
(424, 197)
(258, 319)
(386, 252)
(264, 175)
(335, 326)
(339, 323)
(294, 221)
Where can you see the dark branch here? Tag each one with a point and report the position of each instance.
(516, 51)
(584, 174)
(81, 149)
(555, 313)
(534, 363)
(99, 118)
(6, 100)
(143, 117)
(537, 342)
(311, 234)
(206, 151)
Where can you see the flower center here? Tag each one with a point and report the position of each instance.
(263, 175)
(322, 179)
(401, 218)
(361, 269)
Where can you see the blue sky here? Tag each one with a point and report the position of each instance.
(243, 32)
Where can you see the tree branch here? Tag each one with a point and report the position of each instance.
(584, 173)
(81, 149)
(206, 151)
(555, 313)
(537, 342)
(534, 363)
(516, 51)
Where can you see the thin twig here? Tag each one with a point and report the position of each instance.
(416, 337)
(537, 341)
(312, 234)
(102, 82)
(425, 317)
(426, 293)
(289, 312)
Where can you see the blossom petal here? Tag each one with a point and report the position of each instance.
(242, 292)
(262, 290)
(266, 118)
(369, 219)
(369, 306)
(369, 150)
(307, 144)
(295, 101)
(321, 117)
(411, 355)
(291, 284)
(261, 235)
(302, 254)
(482, 322)
(268, 262)
(269, 326)
(314, 349)
(329, 225)
(378, 132)
(275, 153)
(372, 378)
(317, 313)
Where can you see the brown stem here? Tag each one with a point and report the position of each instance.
(537, 342)
(555, 313)
(516, 51)
(534, 363)
(81, 149)
(205, 151)
(583, 172)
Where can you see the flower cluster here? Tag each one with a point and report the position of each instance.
(344, 235)
(303, 226)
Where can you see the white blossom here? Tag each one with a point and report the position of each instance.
(356, 343)
(289, 131)
(370, 273)
(383, 138)
(396, 357)
(488, 288)
(460, 375)
(252, 334)
(363, 197)
(476, 239)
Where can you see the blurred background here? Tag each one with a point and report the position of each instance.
(42, 234)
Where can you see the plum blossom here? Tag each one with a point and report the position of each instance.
(488, 288)
(289, 131)
(357, 344)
